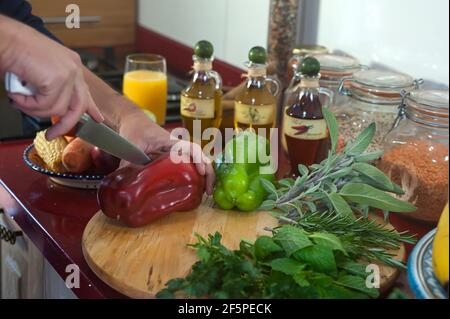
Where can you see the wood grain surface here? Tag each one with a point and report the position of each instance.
(139, 261)
(116, 23)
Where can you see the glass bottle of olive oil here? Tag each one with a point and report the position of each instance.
(201, 100)
(256, 104)
(304, 126)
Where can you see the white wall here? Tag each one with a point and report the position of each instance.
(233, 26)
(411, 36)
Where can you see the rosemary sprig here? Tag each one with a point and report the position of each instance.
(362, 237)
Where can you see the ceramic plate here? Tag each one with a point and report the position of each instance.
(86, 181)
(421, 276)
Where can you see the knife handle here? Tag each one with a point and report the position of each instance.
(15, 85)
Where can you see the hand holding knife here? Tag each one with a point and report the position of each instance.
(97, 134)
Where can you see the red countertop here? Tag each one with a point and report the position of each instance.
(54, 217)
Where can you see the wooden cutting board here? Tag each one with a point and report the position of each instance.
(139, 261)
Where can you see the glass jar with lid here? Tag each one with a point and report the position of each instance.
(334, 68)
(374, 97)
(299, 52)
(416, 152)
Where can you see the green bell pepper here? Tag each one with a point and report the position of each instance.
(238, 174)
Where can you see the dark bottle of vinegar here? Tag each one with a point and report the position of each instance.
(304, 126)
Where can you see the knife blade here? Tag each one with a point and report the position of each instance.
(106, 139)
(87, 129)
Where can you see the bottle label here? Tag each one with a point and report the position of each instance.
(305, 129)
(197, 108)
(254, 114)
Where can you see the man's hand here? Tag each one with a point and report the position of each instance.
(53, 69)
(153, 139)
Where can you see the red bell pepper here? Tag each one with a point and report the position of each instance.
(138, 195)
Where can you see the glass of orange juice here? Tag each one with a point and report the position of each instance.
(145, 83)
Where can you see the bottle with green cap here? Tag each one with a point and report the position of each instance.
(256, 103)
(201, 100)
(304, 128)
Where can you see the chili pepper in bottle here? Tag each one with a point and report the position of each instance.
(256, 104)
(304, 126)
(201, 100)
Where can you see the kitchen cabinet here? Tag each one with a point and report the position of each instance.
(21, 266)
(54, 286)
(102, 22)
(24, 272)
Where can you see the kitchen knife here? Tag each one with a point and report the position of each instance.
(108, 140)
(97, 134)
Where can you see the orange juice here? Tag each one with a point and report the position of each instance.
(148, 89)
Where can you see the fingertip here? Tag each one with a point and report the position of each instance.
(50, 134)
(95, 113)
(122, 164)
(99, 117)
(201, 169)
(207, 160)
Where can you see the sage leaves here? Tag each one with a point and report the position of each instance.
(360, 144)
(344, 183)
(333, 127)
(377, 178)
(367, 195)
(340, 205)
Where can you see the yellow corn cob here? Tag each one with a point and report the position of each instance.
(50, 151)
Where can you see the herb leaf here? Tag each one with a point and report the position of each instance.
(303, 170)
(287, 266)
(265, 246)
(333, 127)
(357, 283)
(365, 194)
(268, 186)
(340, 205)
(368, 157)
(377, 177)
(320, 258)
(267, 205)
(360, 144)
(291, 239)
(328, 240)
(354, 268)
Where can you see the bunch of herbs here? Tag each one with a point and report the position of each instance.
(291, 264)
(345, 182)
